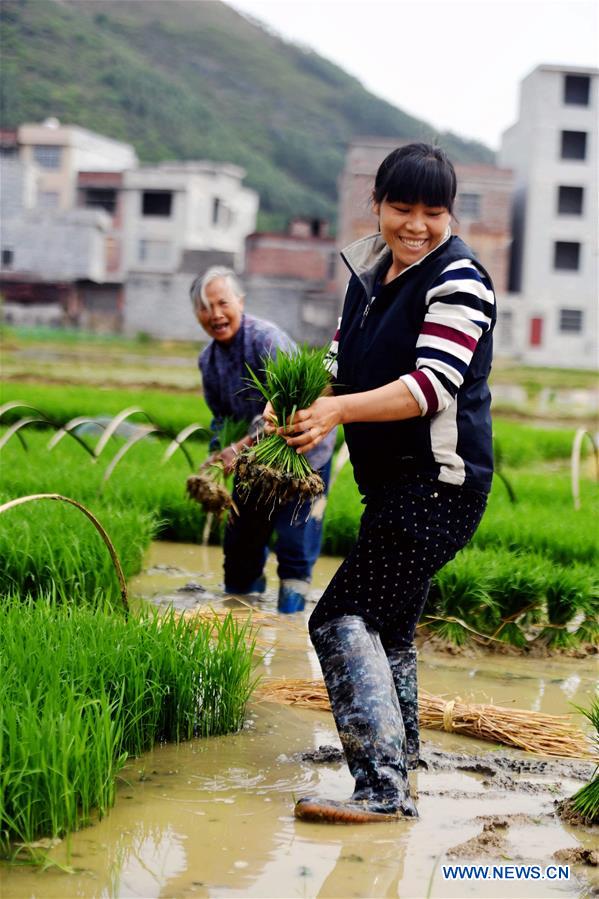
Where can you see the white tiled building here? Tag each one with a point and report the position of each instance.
(56, 153)
(174, 207)
(178, 219)
(554, 154)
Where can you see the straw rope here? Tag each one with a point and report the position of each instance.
(550, 735)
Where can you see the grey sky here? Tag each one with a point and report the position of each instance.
(454, 63)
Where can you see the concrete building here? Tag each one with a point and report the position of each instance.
(553, 151)
(178, 206)
(178, 219)
(59, 263)
(46, 256)
(290, 279)
(57, 153)
(124, 242)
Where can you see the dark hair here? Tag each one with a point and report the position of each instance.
(416, 173)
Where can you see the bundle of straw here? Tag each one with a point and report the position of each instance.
(550, 735)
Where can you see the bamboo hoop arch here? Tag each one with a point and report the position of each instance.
(107, 541)
(135, 438)
(581, 433)
(113, 425)
(16, 428)
(68, 428)
(178, 441)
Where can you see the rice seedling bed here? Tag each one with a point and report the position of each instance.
(528, 573)
(47, 547)
(82, 689)
(172, 411)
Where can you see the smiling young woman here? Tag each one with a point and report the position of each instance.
(410, 231)
(410, 363)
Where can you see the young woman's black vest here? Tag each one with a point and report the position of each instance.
(378, 347)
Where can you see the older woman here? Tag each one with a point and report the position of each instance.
(239, 340)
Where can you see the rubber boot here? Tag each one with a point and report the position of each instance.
(292, 595)
(368, 718)
(403, 668)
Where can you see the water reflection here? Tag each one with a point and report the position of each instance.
(149, 862)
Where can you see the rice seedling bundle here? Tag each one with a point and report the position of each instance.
(551, 735)
(273, 471)
(209, 486)
(585, 801)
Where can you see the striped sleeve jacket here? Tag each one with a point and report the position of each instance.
(432, 328)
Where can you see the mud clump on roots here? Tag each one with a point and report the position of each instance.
(566, 810)
(205, 491)
(273, 486)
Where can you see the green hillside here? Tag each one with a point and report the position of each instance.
(192, 80)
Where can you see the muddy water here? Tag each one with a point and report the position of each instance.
(213, 818)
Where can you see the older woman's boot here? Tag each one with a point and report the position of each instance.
(403, 668)
(368, 718)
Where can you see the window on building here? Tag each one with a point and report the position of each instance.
(574, 145)
(156, 202)
(536, 332)
(100, 198)
(222, 215)
(49, 157)
(577, 90)
(569, 200)
(7, 257)
(7, 152)
(566, 255)
(469, 205)
(155, 252)
(570, 321)
(47, 199)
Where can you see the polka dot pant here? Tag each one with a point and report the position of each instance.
(407, 533)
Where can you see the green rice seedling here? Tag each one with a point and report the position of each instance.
(459, 599)
(81, 689)
(524, 445)
(588, 631)
(585, 802)
(171, 411)
(274, 470)
(210, 486)
(567, 592)
(344, 510)
(51, 547)
(516, 585)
